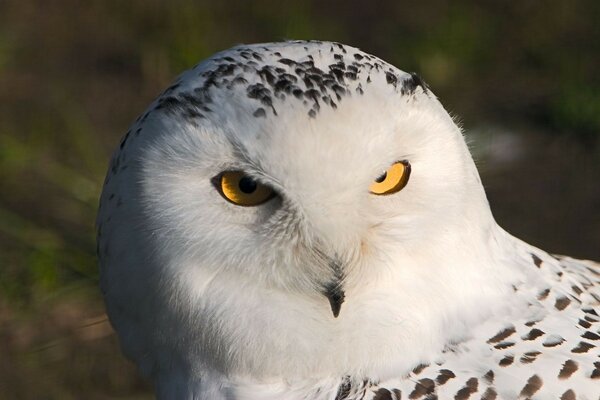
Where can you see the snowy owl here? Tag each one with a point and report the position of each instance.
(303, 221)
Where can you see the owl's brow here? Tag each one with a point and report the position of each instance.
(252, 166)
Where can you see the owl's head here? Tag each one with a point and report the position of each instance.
(283, 176)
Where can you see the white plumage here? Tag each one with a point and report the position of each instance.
(303, 280)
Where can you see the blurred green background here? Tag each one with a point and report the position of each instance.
(523, 77)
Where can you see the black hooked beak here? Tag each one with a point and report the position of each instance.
(334, 290)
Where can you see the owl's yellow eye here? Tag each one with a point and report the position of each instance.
(392, 180)
(242, 190)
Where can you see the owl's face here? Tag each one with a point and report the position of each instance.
(289, 177)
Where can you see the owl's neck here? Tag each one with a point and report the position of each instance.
(391, 318)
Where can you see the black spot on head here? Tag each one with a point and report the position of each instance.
(391, 78)
(286, 61)
(409, 85)
(536, 260)
(359, 89)
(260, 113)
(225, 69)
(297, 92)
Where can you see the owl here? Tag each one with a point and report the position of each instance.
(304, 221)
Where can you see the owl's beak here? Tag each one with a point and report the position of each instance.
(334, 289)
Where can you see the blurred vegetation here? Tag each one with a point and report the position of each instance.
(74, 74)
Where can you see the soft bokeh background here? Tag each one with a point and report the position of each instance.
(524, 77)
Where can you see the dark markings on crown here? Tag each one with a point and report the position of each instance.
(506, 361)
(285, 77)
(568, 369)
(568, 395)
(409, 85)
(562, 303)
(533, 384)
(577, 290)
(470, 387)
(422, 388)
(444, 376)
(503, 334)
(582, 347)
(536, 260)
(504, 345)
(533, 334)
(382, 394)
(529, 357)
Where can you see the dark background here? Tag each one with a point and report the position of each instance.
(523, 77)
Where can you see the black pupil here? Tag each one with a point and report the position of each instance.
(381, 178)
(247, 185)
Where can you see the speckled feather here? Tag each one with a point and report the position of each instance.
(545, 346)
(523, 324)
